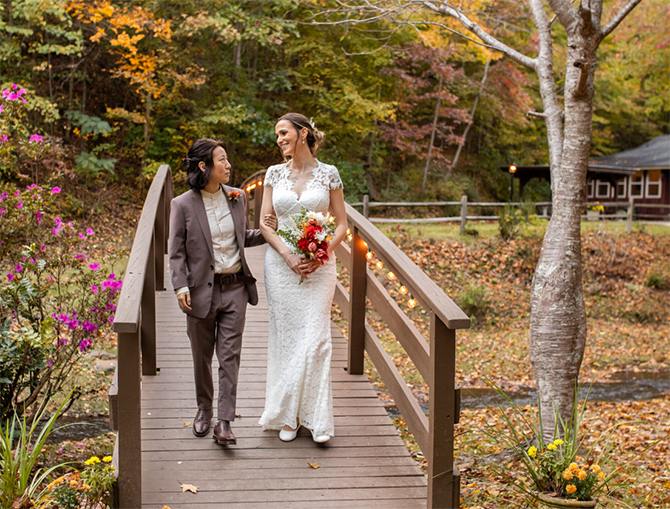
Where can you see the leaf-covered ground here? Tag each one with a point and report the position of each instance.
(627, 297)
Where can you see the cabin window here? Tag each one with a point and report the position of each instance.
(653, 189)
(589, 189)
(621, 186)
(602, 189)
(635, 185)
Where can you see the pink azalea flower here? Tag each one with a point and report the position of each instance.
(94, 266)
(43, 248)
(10, 276)
(3, 197)
(55, 190)
(89, 231)
(80, 257)
(2, 108)
(82, 236)
(36, 138)
(19, 205)
(18, 267)
(94, 289)
(15, 86)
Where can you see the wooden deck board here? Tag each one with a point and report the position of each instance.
(365, 465)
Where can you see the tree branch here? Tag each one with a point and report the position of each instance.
(565, 12)
(484, 36)
(618, 19)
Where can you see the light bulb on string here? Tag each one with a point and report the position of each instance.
(403, 290)
(391, 276)
(350, 237)
(380, 264)
(369, 255)
(411, 302)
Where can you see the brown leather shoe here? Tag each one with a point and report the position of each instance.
(223, 434)
(202, 422)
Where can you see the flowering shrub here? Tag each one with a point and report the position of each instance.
(15, 139)
(54, 302)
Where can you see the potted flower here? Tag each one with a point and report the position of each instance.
(553, 473)
(593, 211)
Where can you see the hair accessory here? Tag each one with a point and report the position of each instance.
(311, 122)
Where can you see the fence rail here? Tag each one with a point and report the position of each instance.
(435, 360)
(135, 326)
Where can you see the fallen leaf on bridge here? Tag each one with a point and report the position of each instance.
(187, 424)
(313, 465)
(189, 487)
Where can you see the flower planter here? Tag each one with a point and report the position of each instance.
(553, 502)
(592, 215)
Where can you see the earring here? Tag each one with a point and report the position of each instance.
(303, 141)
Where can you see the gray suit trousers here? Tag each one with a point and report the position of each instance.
(221, 329)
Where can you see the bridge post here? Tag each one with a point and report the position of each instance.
(366, 206)
(258, 204)
(148, 313)
(357, 277)
(129, 462)
(443, 478)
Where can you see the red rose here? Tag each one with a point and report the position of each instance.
(321, 256)
(303, 244)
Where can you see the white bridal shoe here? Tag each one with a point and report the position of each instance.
(286, 435)
(320, 439)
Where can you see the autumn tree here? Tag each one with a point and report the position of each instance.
(558, 320)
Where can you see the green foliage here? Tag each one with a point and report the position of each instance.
(508, 222)
(90, 166)
(21, 443)
(657, 279)
(473, 299)
(89, 124)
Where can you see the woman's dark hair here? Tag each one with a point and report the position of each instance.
(201, 150)
(314, 136)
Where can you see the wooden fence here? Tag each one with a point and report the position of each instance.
(135, 326)
(463, 218)
(435, 360)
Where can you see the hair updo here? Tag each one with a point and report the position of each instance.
(314, 136)
(201, 150)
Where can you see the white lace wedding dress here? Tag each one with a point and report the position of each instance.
(299, 343)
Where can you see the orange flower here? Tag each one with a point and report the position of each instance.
(573, 467)
(595, 468)
(571, 488)
(582, 475)
(567, 475)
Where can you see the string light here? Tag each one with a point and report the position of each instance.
(411, 302)
(331, 219)
(391, 276)
(252, 186)
(380, 264)
(350, 237)
(369, 255)
(260, 182)
(403, 290)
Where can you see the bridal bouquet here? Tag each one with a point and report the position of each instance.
(309, 235)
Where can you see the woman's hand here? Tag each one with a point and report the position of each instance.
(270, 220)
(294, 261)
(184, 301)
(307, 267)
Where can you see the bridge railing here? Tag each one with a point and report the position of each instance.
(435, 360)
(135, 326)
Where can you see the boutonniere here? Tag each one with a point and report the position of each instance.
(233, 196)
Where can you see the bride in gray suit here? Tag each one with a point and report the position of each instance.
(211, 278)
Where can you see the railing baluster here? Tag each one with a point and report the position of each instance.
(129, 441)
(464, 213)
(148, 314)
(356, 357)
(159, 242)
(443, 481)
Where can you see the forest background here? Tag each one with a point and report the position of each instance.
(119, 87)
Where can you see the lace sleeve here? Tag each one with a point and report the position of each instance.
(271, 176)
(334, 180)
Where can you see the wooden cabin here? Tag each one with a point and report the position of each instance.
(642, 173)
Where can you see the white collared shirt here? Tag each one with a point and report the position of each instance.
(224, 241)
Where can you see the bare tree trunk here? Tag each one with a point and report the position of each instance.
(432, 137)
(472, 119)
(147, 121)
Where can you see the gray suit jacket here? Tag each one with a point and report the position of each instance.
(190, 247)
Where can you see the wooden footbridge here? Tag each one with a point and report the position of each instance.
(152, 400)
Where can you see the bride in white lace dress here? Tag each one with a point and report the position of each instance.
(298, 391)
